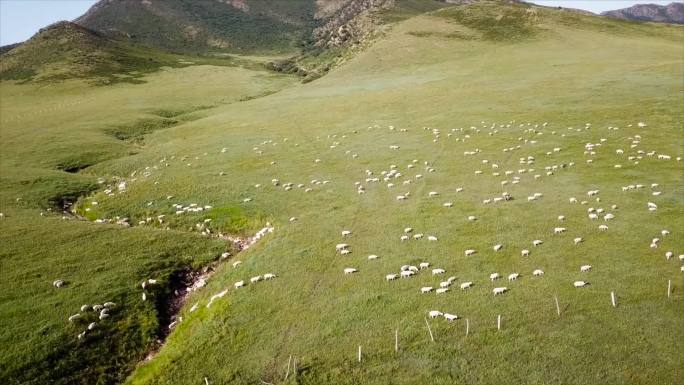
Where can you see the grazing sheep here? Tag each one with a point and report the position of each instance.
(513, 276)
(408, 230)
(580, 283)
(91, 325)
(404, 238)
(269, 276)
(451, 279)
(74, 317)
(561, 218)
(239, 284)
(608, 217)
(537, 272)
(559, 230)
(497, 247)
(665, 233)
(578, 240)
(499, 290)
(58, 283)
(413, 269)
(424, 265)
(525, 253)
(450, 317)
(418, 236)
(345, 252)
(390, 277)
(603, 227)
(85, 308)
(435, 313)
(445, 284)
(466, 285)
(432, 238)
(407, 273)
(472, 218)
(438, 271)
(537, 242)
(469, 252)
(350, 270)
(494, 276)
(425, 289)
(442, 290)
(372, 257)
(585, 267)
(346, 233)
(341, 246)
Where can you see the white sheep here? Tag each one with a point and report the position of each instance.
(513, 276)
(580, 283)
(445, 284)
(558, 230)
(404, 238)
(438, 271)
(497, 247)
(585, 267)
(499, 290)
(346, 233)
(349, 270)
(537, 242)
(525, 253)
(494, 276)
(608, 217)
(425, 289)
(561, 218)
(255, 279)
(345, 252)
(577, 240)
(603, 227)
(408, 230)
(466, 285)
(341, 246)
(236, 264)
(372, 257)
(432, 238)
(435, 313)
(450, 317)
(58, 283)
(390, 277)
(407, 274)
(469, 252)
(239, 284)
(269, 276)
(418, 236)
(442, 290)
(74, 317)
(424, 265)
(537, 272)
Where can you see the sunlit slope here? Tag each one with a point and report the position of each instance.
(49, 134)
(442, 71)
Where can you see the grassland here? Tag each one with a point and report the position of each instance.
(442, 70)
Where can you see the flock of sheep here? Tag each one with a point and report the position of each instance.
(394, 176)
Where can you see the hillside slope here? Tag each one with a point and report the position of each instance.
(671, 13)
(198, 26)
(66, 50)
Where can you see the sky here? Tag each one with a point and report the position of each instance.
(20, 19)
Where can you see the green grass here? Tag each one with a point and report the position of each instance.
(604, 72)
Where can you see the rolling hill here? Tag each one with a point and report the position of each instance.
(146, 194)
(67, 50)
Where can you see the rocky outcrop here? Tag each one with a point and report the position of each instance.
(671, 13)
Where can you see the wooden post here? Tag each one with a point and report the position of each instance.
(498, 322)
(359, 353)
(396, 340)
(429, 330)
(612, 298)
(557, 305)
(669, 288)
(467, 327)
(289, 360)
